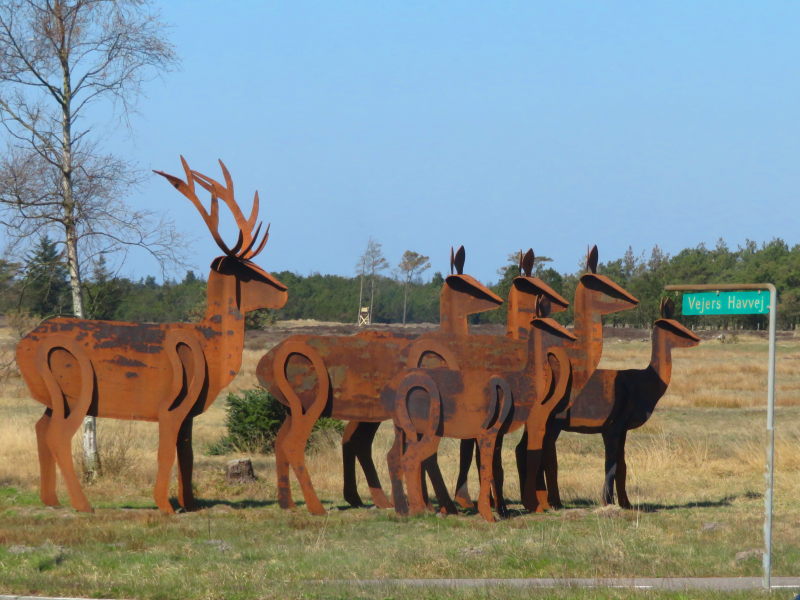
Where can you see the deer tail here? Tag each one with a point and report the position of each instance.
(54, 389)
(497, 415)
(281, 361)
(417, 378)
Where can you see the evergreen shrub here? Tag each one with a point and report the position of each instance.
(252, 422)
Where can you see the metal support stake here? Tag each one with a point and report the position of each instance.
(767, 558)
(707, 287)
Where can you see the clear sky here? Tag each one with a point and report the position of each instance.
(499, 126)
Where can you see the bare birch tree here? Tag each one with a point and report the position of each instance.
(369, 265)
(58, 60)
(411, 264)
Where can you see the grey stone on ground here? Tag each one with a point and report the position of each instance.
(220, 545)
(240, 470)
(746, 554)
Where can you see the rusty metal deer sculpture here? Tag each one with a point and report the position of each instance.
(523, 298)
(596, 295)
(614, 402)
(167, 373)
(342, 377)
(474, 403)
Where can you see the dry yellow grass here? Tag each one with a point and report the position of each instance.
(716, 374)
(677, 450)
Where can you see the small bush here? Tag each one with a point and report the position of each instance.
(253, 419)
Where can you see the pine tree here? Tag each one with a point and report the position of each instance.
(45, 284)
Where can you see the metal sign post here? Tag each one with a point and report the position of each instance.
(735, 298)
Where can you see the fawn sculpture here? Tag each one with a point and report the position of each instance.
(596, 295)
(474, 403)
(167, 373)
(342, 377)
(614, 402)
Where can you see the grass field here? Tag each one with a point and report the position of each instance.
(695, 476)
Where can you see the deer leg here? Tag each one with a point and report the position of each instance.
(549, 493)
(58, 438)
(66, 418)
(520, 452)
(462, 497)
(394, 462)
(295, 437)
(295, 447)
(167, 442)
(499, 478)
(185, 465)
(363, 439)
(47, 464)
(611, 443)
(424, 485)
(282, 465)
(349, 455)
(622, 473)
(534, 492)
(416, 452)
(170, 423)
(486, 449)
(431, 466)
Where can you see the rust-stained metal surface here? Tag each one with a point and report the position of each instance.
(167, 373)
(343, 376)
(613, 402)
(468, 399)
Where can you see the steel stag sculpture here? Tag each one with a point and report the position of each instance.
(167, 373)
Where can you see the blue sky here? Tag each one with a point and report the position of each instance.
(499, 126)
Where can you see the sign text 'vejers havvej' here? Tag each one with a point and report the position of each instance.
(726, 303)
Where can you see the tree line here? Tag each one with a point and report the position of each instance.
(39, 287)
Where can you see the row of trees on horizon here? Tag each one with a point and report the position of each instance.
(39, 287)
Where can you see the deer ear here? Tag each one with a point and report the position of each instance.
(591, 260)
(667, 308)
(452, 260)
(526, 262)
(542, 306)
(458, 260)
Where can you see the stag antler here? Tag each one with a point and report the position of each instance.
(247, 237)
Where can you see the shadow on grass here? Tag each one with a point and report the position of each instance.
(652, 507)
(205, 503)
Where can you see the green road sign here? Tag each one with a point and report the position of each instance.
(738, 302)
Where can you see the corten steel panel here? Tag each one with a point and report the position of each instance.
(152, 372)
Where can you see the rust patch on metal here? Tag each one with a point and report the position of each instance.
(124, 361)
